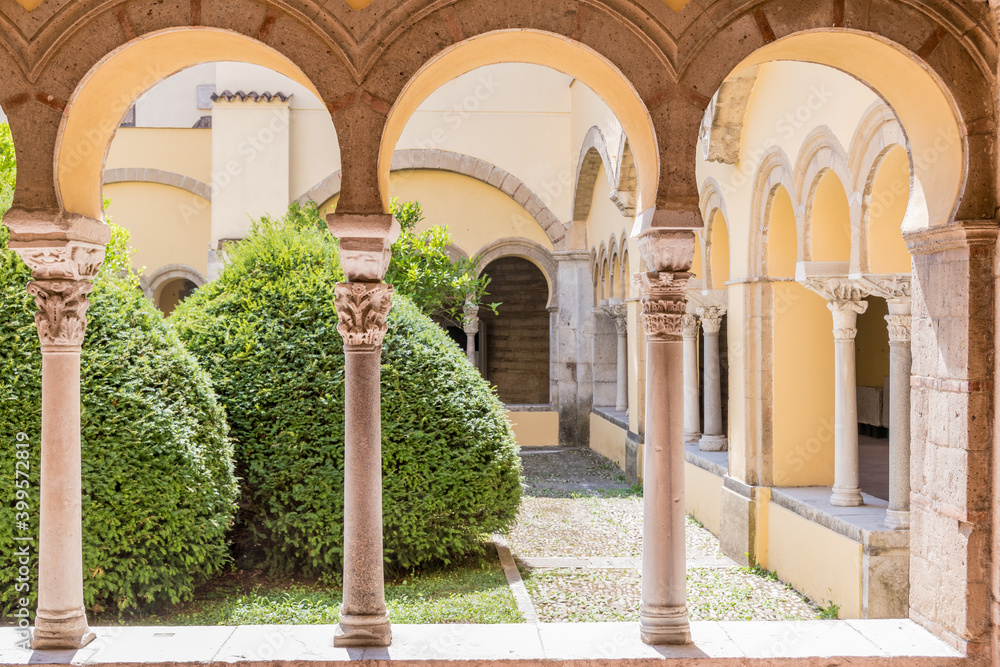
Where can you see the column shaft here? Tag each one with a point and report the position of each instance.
(621, 400)
(714, 438)
(692, 384)
(847, 465)
(900, 363)
(61, 621)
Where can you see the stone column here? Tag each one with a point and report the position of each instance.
(692, 385)
(471, 326)
(63, 270)
(663, 617)
(897, 295)
(619, 313)
(574, 354)
(845, 301)
(363, 305)
(714, 438)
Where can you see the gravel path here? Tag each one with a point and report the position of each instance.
(578, 506)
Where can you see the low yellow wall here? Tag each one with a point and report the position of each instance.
(820, 563)
(703, 496)
(535, 429)
(607, 440)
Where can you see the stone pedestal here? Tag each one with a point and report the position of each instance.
(64, 254)
(471, 327)
(714, 437)
(663, 616)
(692, 384)
(619, 313)
(900, 362)
(362, 308)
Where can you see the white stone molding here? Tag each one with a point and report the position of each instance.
(362, 309)
(821, 152)
(365, 242)
(774, 171)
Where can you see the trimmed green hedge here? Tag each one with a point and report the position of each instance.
(158, 485)
(266, 331)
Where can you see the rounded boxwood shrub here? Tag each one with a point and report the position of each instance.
(266, 331)
(158, 486)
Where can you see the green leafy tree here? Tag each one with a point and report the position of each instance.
(8, 168)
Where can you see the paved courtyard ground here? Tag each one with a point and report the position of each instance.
(578, 545)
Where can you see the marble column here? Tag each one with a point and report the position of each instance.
(619, 313)
(63, 270)
(900, 362)
(692, 383)
(663, 616)
(471, 326)
(845, 300)
(363, 304)
(714, 437)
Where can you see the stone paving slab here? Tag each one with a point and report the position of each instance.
(899, 643)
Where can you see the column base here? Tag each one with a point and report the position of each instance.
(661, 626)
(692, 437)
(713, 443)
(362, 631)
(846, 498)
(897, 519)
(61, 630)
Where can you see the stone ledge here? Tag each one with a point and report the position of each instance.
(529, 407)
(864, 524)
(619, 419)
(807, 643)
(716, 463)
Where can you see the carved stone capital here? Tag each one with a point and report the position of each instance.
(471, 319)
(365, 242)
(711, 319)
(839, 289)
(891, 288)
(619, 313)
(667, 250)
(899, 328)
(62, 313)
(663, 304)
(47, 228)
(691, 323)
(362, 309)
(72, 260)
(845, 318)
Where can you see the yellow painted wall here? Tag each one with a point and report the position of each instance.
(607, 440)
(187, 152)
(887, 251)
(830, 226)
(168, 225)
(535, 429)
(818, 562)
(782, 240)
(803, 389)
(872, 344)
(703, 496)
(606, 221)
(719, 250)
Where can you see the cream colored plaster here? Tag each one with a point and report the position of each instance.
(719, 251)
(830, 225)
(887, 251)
(822, 564)
(187, 152)
(782, 241)
(167, 225)
(607, 440)
(606, 222)
(703, 497)
(535, 429)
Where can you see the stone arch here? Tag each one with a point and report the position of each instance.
(626, 278)
(465, 165)
(125, 68)
(933, 63)
(548, 38)
(169, 178)
(152, 282)
(593, 154)
(724, 118)
(711, 202)
(822, 153)
(625, 193)
(878, 133)
(525, 249)
(775, 171)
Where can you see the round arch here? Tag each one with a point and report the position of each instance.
(104, 95)
(152, 282)
(538, 48)
(774, 172)
(534, 253)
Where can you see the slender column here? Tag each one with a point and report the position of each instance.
(63, 271)
(363, 305)
(471, 326)
(692, 388)
(714, 438)
(663, 617)
(845, 300)
(900, 362)
(619, 313)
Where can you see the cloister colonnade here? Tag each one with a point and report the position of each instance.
(69, 72)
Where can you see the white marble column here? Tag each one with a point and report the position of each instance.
(63, 271)
(845, 301)
(363, 305)
(714, 437)
(619, 313)
(900, 362)
(692, 381)
(471, 327)
(663, 616)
